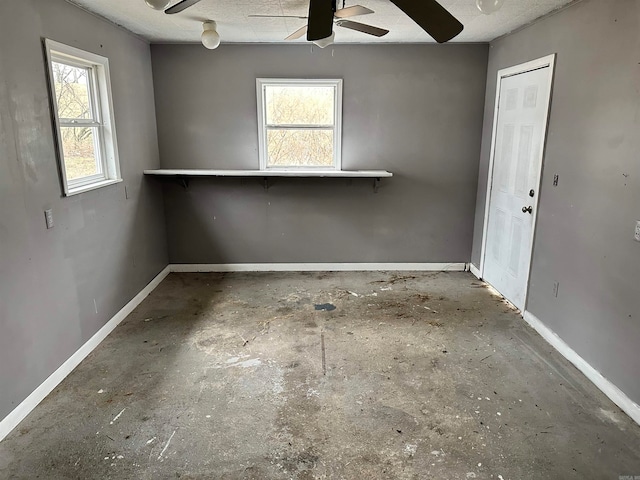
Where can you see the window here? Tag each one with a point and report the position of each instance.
(299, 124)
(83, 118)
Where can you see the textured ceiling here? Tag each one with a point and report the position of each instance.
(235, 25)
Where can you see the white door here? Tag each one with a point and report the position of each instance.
(517, 161)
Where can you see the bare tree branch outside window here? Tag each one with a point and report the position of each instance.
(300, 125)
(73, 98)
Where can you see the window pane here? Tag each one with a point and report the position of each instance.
(299, 105)
(300, 148)
(72, 91)
(78, 146)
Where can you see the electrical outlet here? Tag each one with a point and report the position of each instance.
(556, 179)
(48, 216)
(556, 287)
(637, 234)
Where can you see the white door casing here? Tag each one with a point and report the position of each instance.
(520, 124)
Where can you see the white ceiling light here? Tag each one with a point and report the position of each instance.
(325, 42)
(489, 6)
(158, 4)
(210, 38)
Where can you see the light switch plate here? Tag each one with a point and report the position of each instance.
(48, 216)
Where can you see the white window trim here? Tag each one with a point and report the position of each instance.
(337, 126)
(103, 118)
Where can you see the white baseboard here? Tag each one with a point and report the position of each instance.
(475, 270)
(616, 395)
(319, 267)
(26, 406)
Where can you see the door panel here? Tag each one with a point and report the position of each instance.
(522, 110)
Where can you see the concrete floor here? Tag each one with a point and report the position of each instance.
(411, 376)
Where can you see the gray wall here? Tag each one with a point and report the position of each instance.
(415, 110)
(103, 246)
(584, 237)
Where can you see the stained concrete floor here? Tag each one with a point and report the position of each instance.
(238, 376)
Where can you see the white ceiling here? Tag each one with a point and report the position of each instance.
(235, 26)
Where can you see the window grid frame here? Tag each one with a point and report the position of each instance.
(101, 119)
(94, 122)
(264, 127)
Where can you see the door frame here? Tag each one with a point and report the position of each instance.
(548, 61)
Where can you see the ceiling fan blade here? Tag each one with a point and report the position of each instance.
(361, 27)
(352, 11)
(320, 19)
(180, 6)
(432, 17)
(297, 34)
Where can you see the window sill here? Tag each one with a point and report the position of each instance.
(180, 172)
(92, 186)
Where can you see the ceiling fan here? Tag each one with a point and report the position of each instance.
(432, 17)
(338, 17)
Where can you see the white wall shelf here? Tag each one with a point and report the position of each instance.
(185, 174)
(180, 172)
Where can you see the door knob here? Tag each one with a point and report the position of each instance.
(528, 209)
